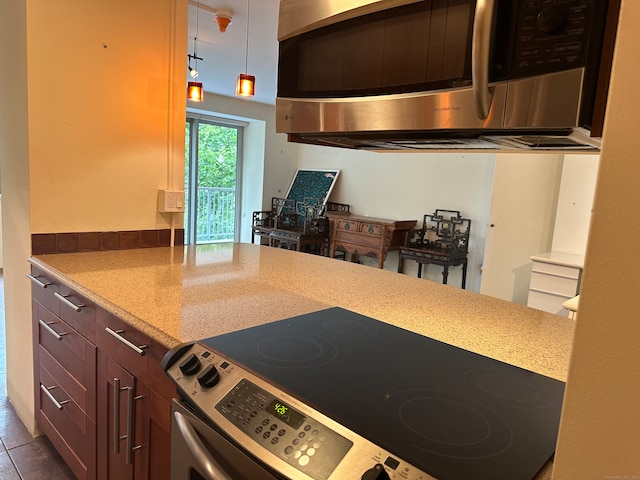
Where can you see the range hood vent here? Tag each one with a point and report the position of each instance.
(548, 140)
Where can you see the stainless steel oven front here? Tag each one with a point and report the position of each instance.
(231, 424)
(199, 452)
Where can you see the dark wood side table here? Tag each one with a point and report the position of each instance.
(368, 236)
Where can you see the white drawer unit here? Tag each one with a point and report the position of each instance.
(555, 278)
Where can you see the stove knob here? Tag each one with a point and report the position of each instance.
(190, 365)
(209, 377)
(376, 473)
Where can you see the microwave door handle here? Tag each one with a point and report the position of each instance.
(481, 45)
(198, 450)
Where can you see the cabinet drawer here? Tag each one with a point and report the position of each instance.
(74, 352)
(557, 270)
(567, 287)
(348, 225)
(135, 351)
(68, 428)
(371, 228)
(364, 243)
(82, 395)
(43, 287)
(547, 302)
(78, 312)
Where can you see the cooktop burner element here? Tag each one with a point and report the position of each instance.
(449, 412)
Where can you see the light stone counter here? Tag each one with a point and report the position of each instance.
(182, 294)
(186, 293)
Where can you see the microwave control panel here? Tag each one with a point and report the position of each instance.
(551, 35)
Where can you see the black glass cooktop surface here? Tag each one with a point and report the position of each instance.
(455, 414)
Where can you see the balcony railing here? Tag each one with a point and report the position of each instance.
(216, 213)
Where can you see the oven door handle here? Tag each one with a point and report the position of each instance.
(198, 450)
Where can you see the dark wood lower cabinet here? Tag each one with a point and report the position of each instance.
(134, 398)
(116, 408)
(104, 403)
(134, 426)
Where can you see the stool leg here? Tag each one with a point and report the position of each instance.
(420, 269)
(400, 264)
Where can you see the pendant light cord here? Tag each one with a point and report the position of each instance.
(246, 49)
(195, 39)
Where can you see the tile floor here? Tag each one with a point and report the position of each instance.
(22, 457)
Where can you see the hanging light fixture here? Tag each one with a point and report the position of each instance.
(195, 91)
(223, 19)
(246, 84)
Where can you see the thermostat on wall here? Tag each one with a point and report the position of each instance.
(170, 201)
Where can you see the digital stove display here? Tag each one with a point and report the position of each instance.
(285, 413)
(450, 412)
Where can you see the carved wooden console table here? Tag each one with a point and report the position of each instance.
(368, 236)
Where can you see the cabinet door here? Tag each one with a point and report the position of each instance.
(152, 459)
(135, 424)
(116, 420)
(150, 446)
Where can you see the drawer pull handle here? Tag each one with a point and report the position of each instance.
(57, 404)
(130, 424)
(63, 299)
(117, 334)
(47, 327)
(116, 415)
(37, 281)
(117, 438)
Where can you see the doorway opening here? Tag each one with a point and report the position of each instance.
(212, 165)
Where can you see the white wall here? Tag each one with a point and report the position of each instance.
(106, 112)
(14, 163)
(575, 201)
(405, 186)
(92, 124)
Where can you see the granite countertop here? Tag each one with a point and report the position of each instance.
(181, 294)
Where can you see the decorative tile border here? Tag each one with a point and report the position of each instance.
(46, 243)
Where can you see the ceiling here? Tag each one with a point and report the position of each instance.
(223, 54)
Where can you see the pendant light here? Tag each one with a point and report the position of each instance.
(195, 91)
(246, 84)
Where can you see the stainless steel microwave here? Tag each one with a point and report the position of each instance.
(414, 74)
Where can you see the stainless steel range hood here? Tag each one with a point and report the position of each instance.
(533, 114)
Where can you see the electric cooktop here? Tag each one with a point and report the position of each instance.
(454, 414)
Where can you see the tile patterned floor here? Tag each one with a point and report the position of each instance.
(22, 457)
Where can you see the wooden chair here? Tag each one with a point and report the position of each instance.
(443, 240)
(306, 229)
(264, 221)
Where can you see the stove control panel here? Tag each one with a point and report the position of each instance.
(275, 427)
(301, 441)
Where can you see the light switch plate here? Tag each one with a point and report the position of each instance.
(170, 201)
